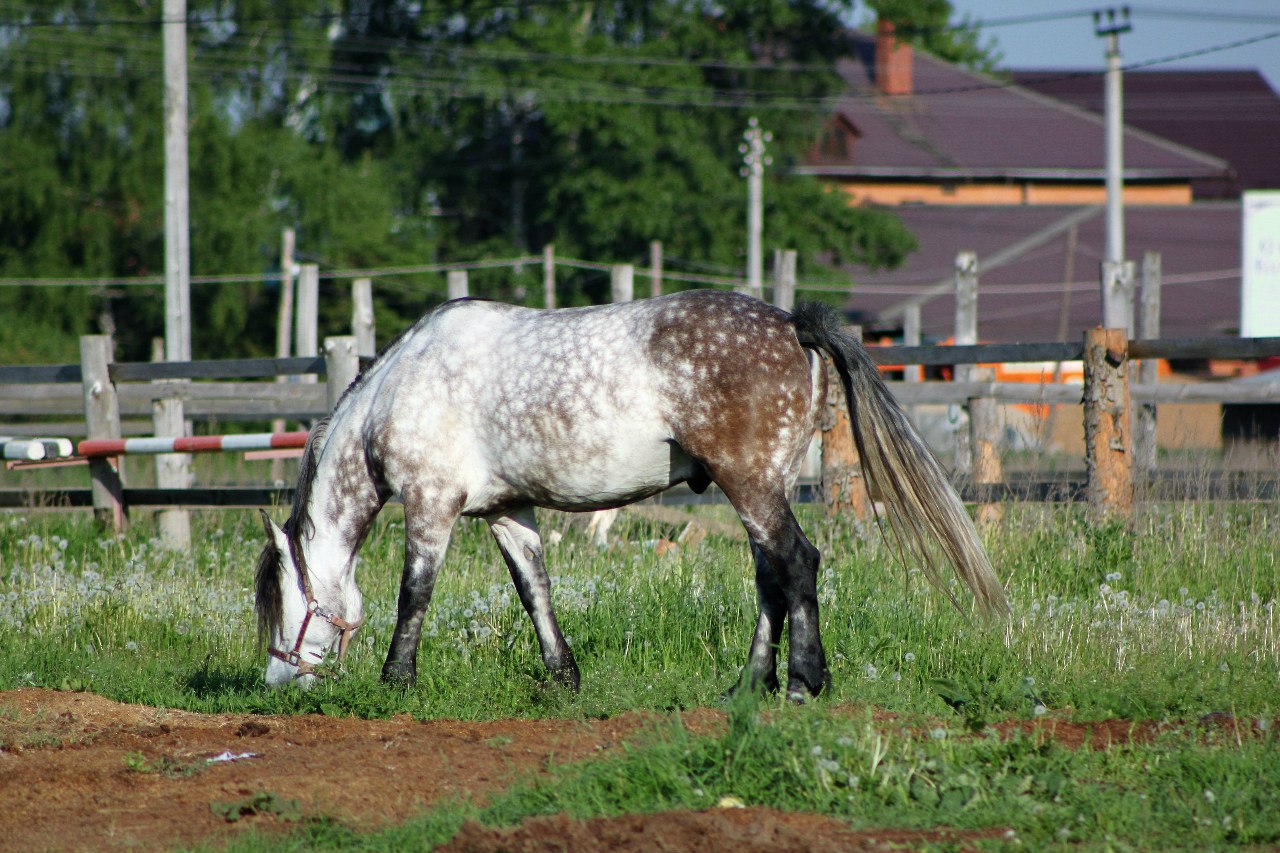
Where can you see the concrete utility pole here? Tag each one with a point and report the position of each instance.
(177, 237)
(1117, 273)
(754, 160)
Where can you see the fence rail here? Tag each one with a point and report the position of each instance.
(202, 390)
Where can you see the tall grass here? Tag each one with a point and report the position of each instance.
(1174, 620)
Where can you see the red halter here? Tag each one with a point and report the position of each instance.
(293, 657)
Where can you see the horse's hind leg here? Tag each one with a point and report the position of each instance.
(786, 577)
(521, 546)
(761, 672)
(426, 538)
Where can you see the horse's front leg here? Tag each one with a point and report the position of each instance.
(521, 546)
(425, 543)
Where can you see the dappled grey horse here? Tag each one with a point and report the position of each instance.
(488, 410)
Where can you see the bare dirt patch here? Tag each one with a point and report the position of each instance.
(79, 772)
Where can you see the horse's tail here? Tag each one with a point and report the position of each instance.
(916, 492)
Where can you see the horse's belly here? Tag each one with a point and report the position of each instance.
(620, 473)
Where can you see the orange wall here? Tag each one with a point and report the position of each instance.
(894, 194)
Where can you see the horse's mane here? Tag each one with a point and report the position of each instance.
(268, 595)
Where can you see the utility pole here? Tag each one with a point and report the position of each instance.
(754, 160)
(1117, 273)
(177, 217)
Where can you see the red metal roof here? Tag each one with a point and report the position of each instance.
(1231, 114)
(961, 125)
(1023, 267)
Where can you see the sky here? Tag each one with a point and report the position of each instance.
(1160, 29)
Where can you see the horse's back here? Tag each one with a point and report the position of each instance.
(586, 407)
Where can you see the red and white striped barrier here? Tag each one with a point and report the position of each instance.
(97, 448)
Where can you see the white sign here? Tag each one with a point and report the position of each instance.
(1260, 265)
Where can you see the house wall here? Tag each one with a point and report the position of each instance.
(898, 193)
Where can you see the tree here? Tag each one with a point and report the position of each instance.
(389, 132)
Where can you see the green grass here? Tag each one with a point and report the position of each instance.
(1173, 621)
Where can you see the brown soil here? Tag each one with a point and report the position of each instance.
(79, 772)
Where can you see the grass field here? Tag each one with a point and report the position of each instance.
(1175, 621)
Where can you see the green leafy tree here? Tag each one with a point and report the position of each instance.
(389, 132)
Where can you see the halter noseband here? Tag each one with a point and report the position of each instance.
(293, 657)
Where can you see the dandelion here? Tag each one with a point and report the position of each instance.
(909, 657)
(938, 734)
(1039, 710)
(1209, 796)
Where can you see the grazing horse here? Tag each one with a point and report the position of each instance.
(489, 410)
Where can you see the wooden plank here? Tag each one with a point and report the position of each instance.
(1205, 348)
(29, 374)
(979, 354)
(231, 368)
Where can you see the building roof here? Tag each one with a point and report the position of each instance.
(1231, 114)
(1024, 269)
(961, 125)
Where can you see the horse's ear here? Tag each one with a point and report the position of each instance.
(274, 533)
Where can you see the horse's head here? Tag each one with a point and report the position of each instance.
(300, 625)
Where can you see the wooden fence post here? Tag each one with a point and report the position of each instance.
(843, 487)
(284, 328)
(362, 318)
(549, 275)
(622, 282)
(784, 278)
(966, 333)
(1107, 434)
(102, 420)
(1144, 436)
(307, 335)
(458, 286)
(911, 338)
(284, 325)
(342, 364)
(984, 444)
(655, 268)
(173, 470)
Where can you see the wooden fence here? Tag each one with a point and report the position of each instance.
(109, 395)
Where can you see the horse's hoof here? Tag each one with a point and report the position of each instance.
(394, 676)
(567, 678)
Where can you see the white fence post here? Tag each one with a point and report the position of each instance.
(784, 278)
(173, 470)
(458, 286)
(966, 333)
(342, 365)
(307, 339)
(622, 281)
(1144, 437)
(655, 268)
(549, 275)
(363, 322)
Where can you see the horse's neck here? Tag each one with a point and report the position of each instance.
(343, 501)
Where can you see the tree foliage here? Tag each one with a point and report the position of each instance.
(389, 132)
